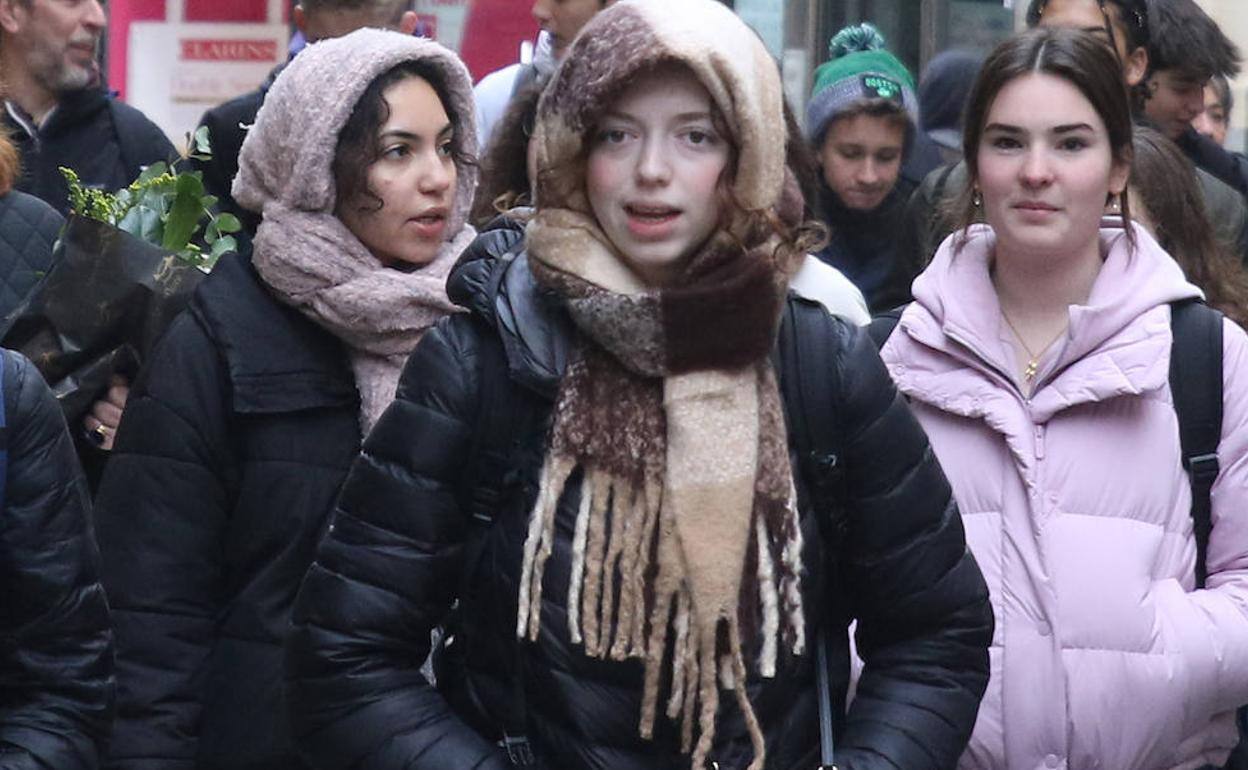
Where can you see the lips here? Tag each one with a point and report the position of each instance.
(651, 221)
(430, 224)
(1035, 206)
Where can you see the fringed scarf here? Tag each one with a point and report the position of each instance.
(687, 530)
(686, 535)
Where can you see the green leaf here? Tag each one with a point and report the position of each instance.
(200, 143)
(159, 168)
(184, 214)
(227, 223)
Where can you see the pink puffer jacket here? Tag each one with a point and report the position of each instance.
(1078, 511)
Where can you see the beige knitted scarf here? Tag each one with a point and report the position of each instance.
(686, 530)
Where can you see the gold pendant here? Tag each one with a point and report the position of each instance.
(1030, 370)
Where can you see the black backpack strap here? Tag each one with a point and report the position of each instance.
(497, 432)
(1196, 386)
(802, 352)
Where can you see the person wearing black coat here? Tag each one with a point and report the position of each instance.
(105, 141)
(242, 424)
(56, 645)
(481, 500)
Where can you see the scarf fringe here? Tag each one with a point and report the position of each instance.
(621, 531)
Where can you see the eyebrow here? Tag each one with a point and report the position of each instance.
(682, 117)
(1062, 129)
(398, 133)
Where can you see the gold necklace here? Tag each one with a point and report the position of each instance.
(1033, 363)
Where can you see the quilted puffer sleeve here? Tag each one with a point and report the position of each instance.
(56, 654)
(161, 512)
(385, 575)
(924, 620)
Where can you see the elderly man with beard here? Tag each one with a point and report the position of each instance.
(56, 108)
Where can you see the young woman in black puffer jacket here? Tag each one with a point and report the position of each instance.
(600, 472)
(246, 417)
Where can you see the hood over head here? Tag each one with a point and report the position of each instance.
(634, 36)
(287, 158)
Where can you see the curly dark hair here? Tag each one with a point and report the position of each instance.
(1162, 177)
(505, 181)
(358, 148)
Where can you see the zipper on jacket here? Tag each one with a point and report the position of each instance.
(1039, 442)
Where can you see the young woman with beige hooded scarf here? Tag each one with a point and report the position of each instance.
(613, 499)
(239, 433)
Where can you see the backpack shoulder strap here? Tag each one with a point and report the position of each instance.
(802, 351)
(883, 324)
(500, 422)
(1196, 386)
(801, 354)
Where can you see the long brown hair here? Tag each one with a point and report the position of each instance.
(1072, 55)
(1170, 194)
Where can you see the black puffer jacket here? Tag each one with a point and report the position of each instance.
(236, 438)
(28, 230)
(391, 566)
(56, 650)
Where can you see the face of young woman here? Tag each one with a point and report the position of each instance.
(1046, 167)
(861, 159)
(413, 180)
(653, 172)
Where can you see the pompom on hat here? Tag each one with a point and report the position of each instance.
(860, 69)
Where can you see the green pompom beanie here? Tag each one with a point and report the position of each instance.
(860, 69)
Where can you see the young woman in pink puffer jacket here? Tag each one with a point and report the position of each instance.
(1036, 356)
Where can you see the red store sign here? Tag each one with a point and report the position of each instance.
(229, 50)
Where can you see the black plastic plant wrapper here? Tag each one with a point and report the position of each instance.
(99, 311)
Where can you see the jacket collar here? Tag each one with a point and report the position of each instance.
(492, 280)
(73, 109)
(278, 360)
(1117, 344)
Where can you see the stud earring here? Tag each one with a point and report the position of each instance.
(976, 200)
(1115, 204)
